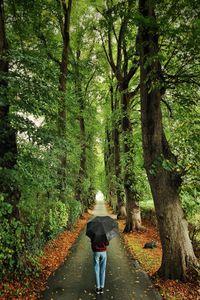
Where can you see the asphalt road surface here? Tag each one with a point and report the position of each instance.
(75, 280)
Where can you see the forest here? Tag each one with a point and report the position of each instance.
(99, 95)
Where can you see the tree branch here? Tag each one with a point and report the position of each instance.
(125, 64)
(104, 48)
(168, 107)
(114, 32)
(132, 94)
(110, 53)
(43, 39)
(119, 44)
(170, 57)
(60, 17)
(132, 71)
(88, 83)
(187, 78)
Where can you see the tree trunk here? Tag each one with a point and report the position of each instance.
(178, 253)
(120, 65)
(80, 196)
(8, 144)
(116, 153)
(129, 176)
(118, 173)
(108, 158)
(82, 167)
(62, 89)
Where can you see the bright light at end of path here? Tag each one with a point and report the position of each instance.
(99, 196)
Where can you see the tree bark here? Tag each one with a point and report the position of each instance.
(123, 75)
(109, 163)
(178, 253)
(79, 190)
(82, 166)
(62, 88)
(129, 175)
(8, 143)
(116, 152)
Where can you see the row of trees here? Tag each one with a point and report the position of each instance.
(73, 73)
(48, 126)
(152, 51)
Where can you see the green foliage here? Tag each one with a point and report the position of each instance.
(191, 202)
(184, 127)
(14, 257)
(57, 218)
(161, 162)
(35, 50)
(75, 211)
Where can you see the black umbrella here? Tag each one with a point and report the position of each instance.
(102, 229)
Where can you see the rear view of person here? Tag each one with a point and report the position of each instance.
(100, 259)
(101, 230)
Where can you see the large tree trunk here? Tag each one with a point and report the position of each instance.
(132, 223)
(178, 253)
(82, 167)
(117, 167)
(62, 88)
(8, 144)
(109, 163)
(116, 152)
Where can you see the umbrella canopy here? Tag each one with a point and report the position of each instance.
(102, 229)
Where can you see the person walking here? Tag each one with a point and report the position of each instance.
(100, 259)
(101, 230)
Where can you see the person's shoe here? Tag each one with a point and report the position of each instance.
(97, 291)
(101, 291)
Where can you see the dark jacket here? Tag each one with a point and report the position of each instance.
(99, 247)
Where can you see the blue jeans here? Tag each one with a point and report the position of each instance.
(100, 259)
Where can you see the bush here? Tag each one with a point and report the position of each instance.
(14, 258)
(34, 221)
(57, 218)
(21, 241)
(75, 210)
(194, 232)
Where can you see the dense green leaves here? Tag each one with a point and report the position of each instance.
(31, 90)
(33, 96)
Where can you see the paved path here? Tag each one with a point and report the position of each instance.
(74, 280)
